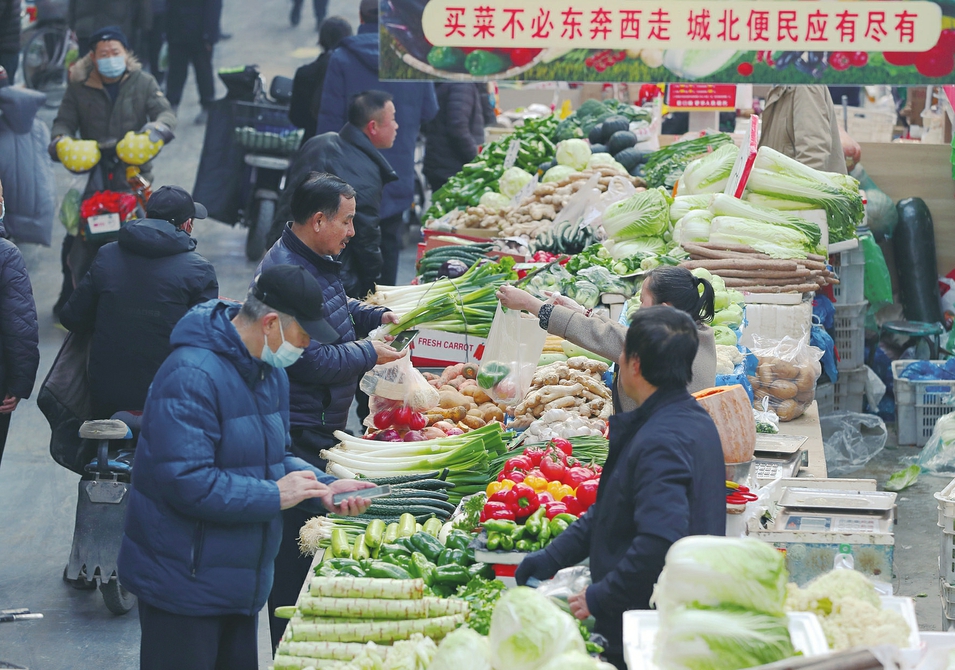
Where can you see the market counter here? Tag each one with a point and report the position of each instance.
(808, 425)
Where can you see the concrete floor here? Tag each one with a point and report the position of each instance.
(38, 498)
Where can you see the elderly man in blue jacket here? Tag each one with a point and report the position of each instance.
(353, 68)
(664, 479)
(213, 472)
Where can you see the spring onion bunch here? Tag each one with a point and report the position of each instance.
(783, 178)
(464, 305)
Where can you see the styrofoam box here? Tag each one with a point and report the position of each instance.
(640, 630)
(776, 321)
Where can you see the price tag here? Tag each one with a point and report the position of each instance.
(511, 156)
(103, 223)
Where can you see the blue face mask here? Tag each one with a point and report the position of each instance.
(286, 354)
(111, 67)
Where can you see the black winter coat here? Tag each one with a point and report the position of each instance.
(133, 295)
(349, 155)
(193, 21)
(307, 94)
(454, 135)
(19, 338)
(9, 27)
(87, 16)
(324, 380)
(664, 479)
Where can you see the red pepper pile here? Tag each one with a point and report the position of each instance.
(546, 476)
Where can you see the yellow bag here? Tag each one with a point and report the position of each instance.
(77, 155)
(136, 149)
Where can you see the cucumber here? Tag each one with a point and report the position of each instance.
(405, 479)
(417, 493)
(417, 510)
(400, 504)
(430, 484)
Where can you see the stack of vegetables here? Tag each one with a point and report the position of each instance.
(782, 183)
(585, 276)
(639, 226)
(482, 175)
(666, 166)
(566, 399)
(466, 457)
(592, 113)
(463, 305)
(450, 261)
(721, 605)
(340, 614)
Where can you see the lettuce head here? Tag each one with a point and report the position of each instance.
(528, 630)
(574, 153)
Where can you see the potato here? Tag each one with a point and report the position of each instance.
(785, 369)
(766, 372)
(434, 418)
(759, 394)
(782, 389)
(788, 410)
(473, 422)
(455, 414)
(449, 399)
(476, 393)
(806, 379)
(491, 412)
(476, 412)
(806, 397)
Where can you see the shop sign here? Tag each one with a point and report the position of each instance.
(701, 97)
(712, 41)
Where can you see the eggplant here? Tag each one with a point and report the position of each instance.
(452, 268)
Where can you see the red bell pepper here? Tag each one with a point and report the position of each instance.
(564, 445)
(555, 508)
(575, 476)
(573, 505)
(545, 498)
(587, 493)
(527, 500)
(536, 454)
(515, 476)
(506, 496)
(498, 510)
(518, 463)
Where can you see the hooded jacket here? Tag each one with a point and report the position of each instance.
(19, 335)
(88, 16)
(29, 187)
(801, 122)
(203, 524)
(353, 68)
(88, 111)
(454, 135)
(134, 294)
(349, 155)
(324, 380)
(664, 479)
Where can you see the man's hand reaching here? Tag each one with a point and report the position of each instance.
(298, 486)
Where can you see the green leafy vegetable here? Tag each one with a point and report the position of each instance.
(724, 205)
(574, 153)
(903, 478)
(709, 174)
(639, 246)
(481, 595)
(684, 204)
(528, 630)
(645, 214)
(776, 241)
(666, 166)
(694, 227)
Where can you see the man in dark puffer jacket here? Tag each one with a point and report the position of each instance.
(19, 352)
(324, 380)
(455, 134)
(134, 294)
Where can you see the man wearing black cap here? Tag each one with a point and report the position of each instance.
(108, 96)
(134, 293)
(213, 473)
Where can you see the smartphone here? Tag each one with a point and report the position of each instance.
(403, 339)
(377, 492)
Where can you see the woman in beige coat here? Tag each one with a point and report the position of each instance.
(674, 286)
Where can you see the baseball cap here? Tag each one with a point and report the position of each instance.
(175, 205)
(290, 289)
(107, 34)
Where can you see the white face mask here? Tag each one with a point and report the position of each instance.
(286, 355)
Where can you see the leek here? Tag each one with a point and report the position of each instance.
(724, 205)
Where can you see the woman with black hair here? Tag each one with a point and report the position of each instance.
(666, 285)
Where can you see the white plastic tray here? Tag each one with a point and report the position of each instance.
(640, 630)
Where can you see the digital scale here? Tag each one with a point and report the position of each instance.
(777, 456)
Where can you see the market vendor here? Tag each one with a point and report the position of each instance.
(667, 285)
(663, 480)
(324, 379)
(801, 122)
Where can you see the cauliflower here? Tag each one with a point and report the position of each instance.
(727, 358)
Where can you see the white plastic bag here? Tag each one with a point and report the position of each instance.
(400, 381)
(787, 374)
(514, 346)
(938, 455)
(851, 440)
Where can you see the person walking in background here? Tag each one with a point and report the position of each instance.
(352, 68)
(801, 122)
(455, 134)
(25, 166)
(320, 7)
(155, 39)
(10, 37)
(192, 30)
(133, 296)
(307, 85)
(19, 333)
(212, 474)
(132, 17)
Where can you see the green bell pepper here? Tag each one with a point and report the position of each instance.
(493, 372)
(422, 568)
(446, 58)
(457, 540)
(482, 570)
(454, 575)
(427, 545)
(443, 590)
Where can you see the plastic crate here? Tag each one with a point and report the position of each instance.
(947, 594)
(265, 128)
(850, 334)
(825, 398)
(849, 390)
(919, 404)
(850, 267)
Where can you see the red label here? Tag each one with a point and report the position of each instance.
(701, 97)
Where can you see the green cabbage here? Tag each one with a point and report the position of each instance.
(513, 181)
(645, 214)
(710, 173)
(731, 315)
(600, 159)
(723, 639)
(464, 648)
(574, 153)
(684, 204)
(494, 200)
(723, 335)
(638, 246)
(558, 173)
(528, 630)
(777, 241)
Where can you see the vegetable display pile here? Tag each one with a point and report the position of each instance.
(721, 605)
(450, 261)
(575, 386)
(463, 305)
(666, 166)
(465, 457)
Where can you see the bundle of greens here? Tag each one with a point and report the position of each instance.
(666, 166)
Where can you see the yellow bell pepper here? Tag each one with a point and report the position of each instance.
(508, 484)
(559, 491)
(494, 487)
(537, 483)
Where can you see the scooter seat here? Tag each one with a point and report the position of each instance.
(105, 429)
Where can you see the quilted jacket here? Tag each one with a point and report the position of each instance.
(19, 339)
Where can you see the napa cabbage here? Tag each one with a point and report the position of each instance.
(644, 214)
(776, 241)
(528, 630)
(710, 173)
(683, 204)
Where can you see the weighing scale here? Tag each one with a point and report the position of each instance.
(832, 511)
(777, 456)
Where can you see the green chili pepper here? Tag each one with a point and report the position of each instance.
(535, 546)
(507, 542)
(493, 541)
(503, 526)
(557, 526)
(446, 58)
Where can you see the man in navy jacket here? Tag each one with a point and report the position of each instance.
(213, 471)
(664, 479)
(354, 68)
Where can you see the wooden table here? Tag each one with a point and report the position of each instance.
(808, 425)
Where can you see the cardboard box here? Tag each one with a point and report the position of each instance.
(433, 348)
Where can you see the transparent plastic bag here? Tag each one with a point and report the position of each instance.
(786, 375)
(851, 440)
(514, 346)
(938, 455)
(399, 381)
(766, 420)
(566, 582)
